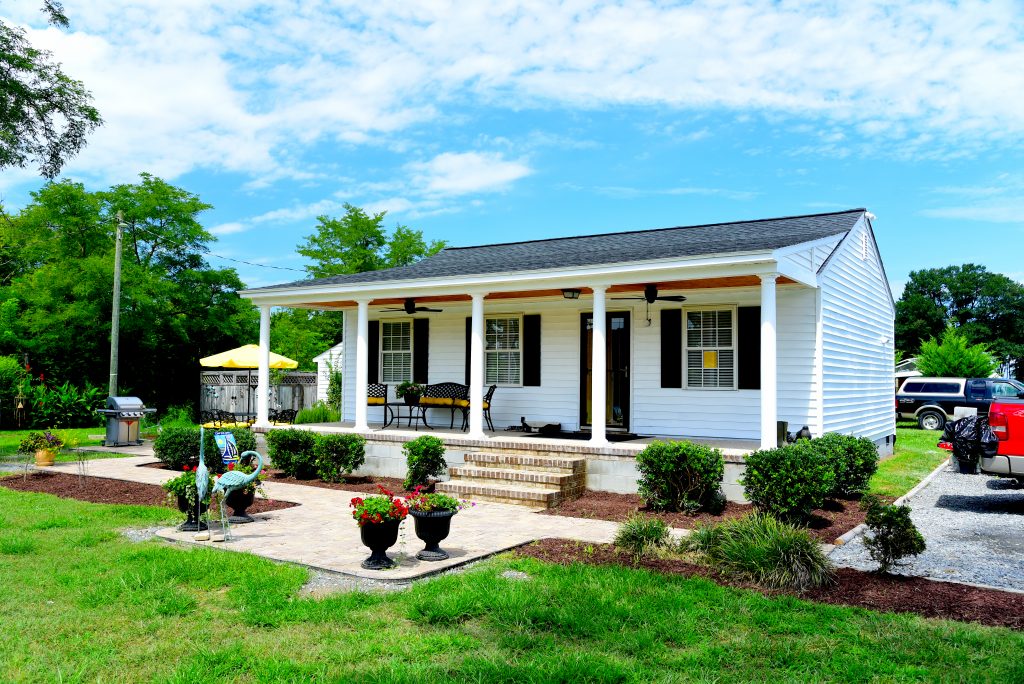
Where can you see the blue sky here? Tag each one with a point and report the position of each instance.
(498, 121)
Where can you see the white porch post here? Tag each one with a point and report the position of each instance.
(263, 370)
(476, 370)
(769, 364)
(599, 372)
(362, 362)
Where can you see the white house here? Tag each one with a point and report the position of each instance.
(712, 332)
(331, 359)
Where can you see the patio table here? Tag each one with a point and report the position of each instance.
(416, 411)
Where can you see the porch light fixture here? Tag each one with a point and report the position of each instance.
(571, 294)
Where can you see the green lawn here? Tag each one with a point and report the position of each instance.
(915, 456)
(10, 439)
(81, 603)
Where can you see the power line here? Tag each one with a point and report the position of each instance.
(218, 256)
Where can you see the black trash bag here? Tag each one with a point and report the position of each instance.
(972, 439)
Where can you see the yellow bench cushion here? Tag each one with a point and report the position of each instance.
(464, 403)
(375, 401)
(436, 401)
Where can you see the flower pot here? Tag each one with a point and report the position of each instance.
(411, 399)
(192, 522)
(432, 527)
(45, 457)
(239, 500)
(379, 537)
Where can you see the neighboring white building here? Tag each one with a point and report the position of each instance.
(332, 358)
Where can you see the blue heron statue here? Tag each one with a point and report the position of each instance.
(234, 480)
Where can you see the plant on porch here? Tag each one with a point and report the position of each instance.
(409, 391)
(425, 458)
(681, 476)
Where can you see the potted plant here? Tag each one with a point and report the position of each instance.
(378, 517)
(410, 392)
(240, 499)
(44, 445)
(432, 516)
(182, 492)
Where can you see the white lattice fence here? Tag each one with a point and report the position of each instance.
(235, 391)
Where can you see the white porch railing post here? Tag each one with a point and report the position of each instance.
(769, 364)
(362, 362)
(263, 370)
(599, 370)
(476, 370)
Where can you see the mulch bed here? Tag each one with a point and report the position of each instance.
(108, 491)
(852, 588)
(353, 483)
(827, 524)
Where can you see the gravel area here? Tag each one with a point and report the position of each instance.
(322, 583)
(973, 526)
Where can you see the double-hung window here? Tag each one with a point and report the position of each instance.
(503, 351)
(711, 348)
(395, 351)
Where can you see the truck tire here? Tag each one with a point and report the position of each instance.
(931, 420)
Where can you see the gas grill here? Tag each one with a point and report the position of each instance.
(124, 414)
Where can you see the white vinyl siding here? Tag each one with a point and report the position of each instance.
(503, 362)
(395, 351)
(710, 348)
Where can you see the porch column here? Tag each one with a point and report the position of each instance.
(599, 370)
(476, 370)
(362, 362)
(263, 370)
(769, 364)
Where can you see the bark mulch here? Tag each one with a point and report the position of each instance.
(827, 524)
(108, 491)
(852, 587)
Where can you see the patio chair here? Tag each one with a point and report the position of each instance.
(285, 416)
(488, 396)
(377, 395)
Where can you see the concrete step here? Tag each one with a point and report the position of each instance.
(502, 493)
(547, 464)
(520, 478)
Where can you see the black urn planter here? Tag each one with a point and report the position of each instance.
(433, 528)
(192, 522)
(411, 399)
(239, 500)
(379, 537)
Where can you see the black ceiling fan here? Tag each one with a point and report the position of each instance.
(410, 307)
(651, 295)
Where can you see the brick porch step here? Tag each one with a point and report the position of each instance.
(548, 464)
(521, 478)
(500, 492)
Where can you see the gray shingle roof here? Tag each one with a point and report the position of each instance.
(609, 248)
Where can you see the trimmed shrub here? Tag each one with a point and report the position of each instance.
(765, 550)
(681, 476)
(893, 534)
(425, 458)
(179, 445)
(337, 455)
(789, 482)
(317, 413)
(855, 460)
(641, 535)
(291, 450)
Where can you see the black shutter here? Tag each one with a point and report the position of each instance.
(748, 341)
(531, 350)
(420, 349)
(469, 344)
(373, 351)
(671, 348)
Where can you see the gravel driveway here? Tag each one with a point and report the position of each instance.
(973, 526)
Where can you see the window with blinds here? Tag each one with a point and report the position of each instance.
(711, 348)
(503, 351)
(395, 351)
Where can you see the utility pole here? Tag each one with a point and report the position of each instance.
(115, 314)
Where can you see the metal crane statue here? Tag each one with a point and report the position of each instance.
(202, 488)
(234, 480)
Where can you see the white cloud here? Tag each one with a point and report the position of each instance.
(451, 173)
(228, 228)
(999, 201)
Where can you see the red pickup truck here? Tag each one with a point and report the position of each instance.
(1006, 420)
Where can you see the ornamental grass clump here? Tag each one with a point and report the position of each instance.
(893, 534)
(764, 550)
(855, 460)
(642, 535)
(789, 482)
(681, 476)
(378, 508)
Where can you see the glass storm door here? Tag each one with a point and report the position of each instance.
(617, 371)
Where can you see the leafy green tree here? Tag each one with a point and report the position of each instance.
(299, 334)
(955, 357)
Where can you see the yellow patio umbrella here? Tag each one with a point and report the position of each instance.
(246, 356)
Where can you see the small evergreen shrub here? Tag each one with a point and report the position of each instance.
(893, 534)
(425, 458)
(641, 535)
(317, 413)
(178, 446)
(681, 476)
(336, 455)
(291, 450)
(855, 460)
(763, 549)
(789, 482)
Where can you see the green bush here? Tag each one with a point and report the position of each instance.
(855, 460)
(789, 482)
(425, 458)
(317, 413)
(334, 388)
(64, 406)
(640, 535)
(677, 476)
(12, 376)
(179, 445)
(336, 455)
(762, 549)
(178, 416)
(893, 534)
(291, 450)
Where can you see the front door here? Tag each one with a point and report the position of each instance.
(617, 401)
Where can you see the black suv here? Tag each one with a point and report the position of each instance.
(932, 401)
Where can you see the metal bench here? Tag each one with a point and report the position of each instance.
(450, 395)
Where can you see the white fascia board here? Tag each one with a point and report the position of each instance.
(675, 269)
(804, 276)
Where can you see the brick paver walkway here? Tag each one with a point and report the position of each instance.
(320, 531)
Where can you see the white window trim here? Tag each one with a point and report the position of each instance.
(506, 316)
(381, 352)
(735, 351)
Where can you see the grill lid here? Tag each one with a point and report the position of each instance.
(125, 404)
